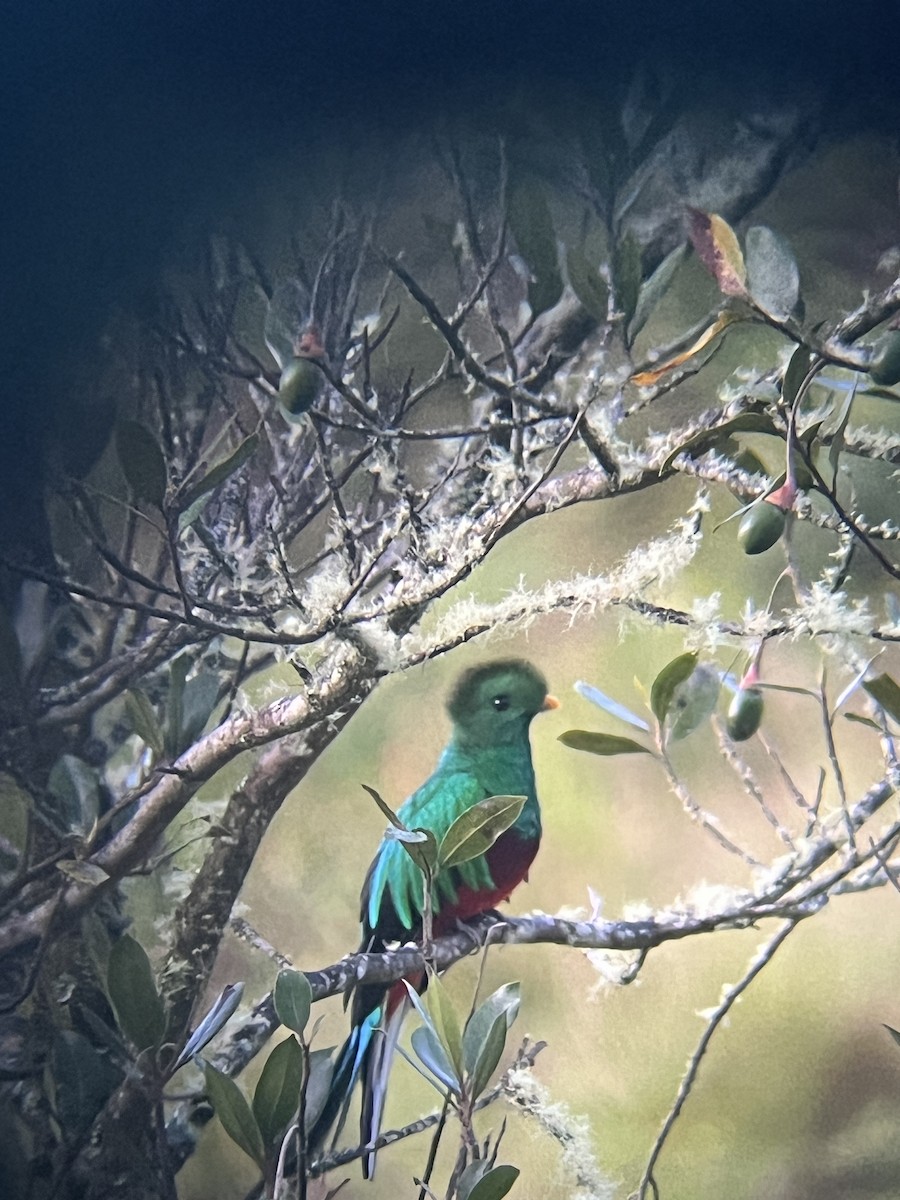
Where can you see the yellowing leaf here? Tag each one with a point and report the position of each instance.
(717, 247)
(649, 378)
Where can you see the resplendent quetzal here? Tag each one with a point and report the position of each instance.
(488, 754)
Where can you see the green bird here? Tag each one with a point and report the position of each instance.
(489, 754)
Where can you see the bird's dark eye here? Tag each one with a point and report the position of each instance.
(500, 703)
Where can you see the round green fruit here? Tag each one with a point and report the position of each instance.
(761, 527)
(745, 712)
(884, 365)
(300, 383)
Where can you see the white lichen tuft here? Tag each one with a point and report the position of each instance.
(573, 1133)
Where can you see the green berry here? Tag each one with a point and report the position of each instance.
(884, 365)
(761, 527)
(300, 383)
(745, 713)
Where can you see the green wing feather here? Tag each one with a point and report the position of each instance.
(435, 806)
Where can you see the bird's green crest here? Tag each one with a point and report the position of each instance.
(493, 702)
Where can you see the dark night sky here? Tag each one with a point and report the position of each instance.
(120, 116)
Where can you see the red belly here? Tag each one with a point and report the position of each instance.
(508, 861)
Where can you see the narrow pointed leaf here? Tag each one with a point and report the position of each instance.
(132, 989)
(318, 1086)
(587, 283)
(710, 438)
(894, 1034)
(201, 692)
(143, 720)
(653, 290)
(884, 691)
(388, 812)
(503, 1002)
(717, 247)
(221, 471)
(664, 685)
(607, 745)
(489, 1054)
(74, 788)
(433, 1056)
(235, 1114)
(293, 999)
(613, 707)
(796, 371)
(142, 462)
(654, 374)
(175, 703)
(277, 1094)
(446, 1022)
(475, 830)
(773, 278)
(223, 1008)
(494, 1184)
(626, 274)
(532, 227)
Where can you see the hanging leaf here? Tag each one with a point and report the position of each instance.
(715, 244)
(613, 707)
(175, 703)
(489, 1054)
(795, 372)
(477, 828)
(532, 227)
(884, 691)
(132, 990)
(83, 1080)
(318, 1086)
(223, 1008)
(277, 1094)
(446, 1022)
(142, 462)
(693, 702)
(235, 1114)
(74, 788)
(142, 718)
(588, 284)
(605, 744)
(201, 692)
(293, 999)
(494, 1184)
(433, 1056)
(653, 290)
(626, 274)
(894, 1034)
(666, 682)
(773, 278)
(653, 375)
(188, 501)
(504, 1002)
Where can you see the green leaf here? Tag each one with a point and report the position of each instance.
(773, 278)
(587, 283)
(884, 691)
(277, 1094)
(318, 1086)
(894, 1034)
(605, 744)
(132, 989)
(83, 1079)
(795, 372)
(75, 790)
(532, 227)
(664, 685)
(494, 1184)
(446, 1022)
(433, 1056)
(142, 719)
(653, 290)
(175, 703)
(142, 462)
(475, 830)
(489, 1055)
(503, 1002)
(293, 999)
(218, 473)
(707, 439)
(201, 692)
(626, 274)
(82, 871)
(693, 701)
(235, 1114)
(858, 720)
(388, 812)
